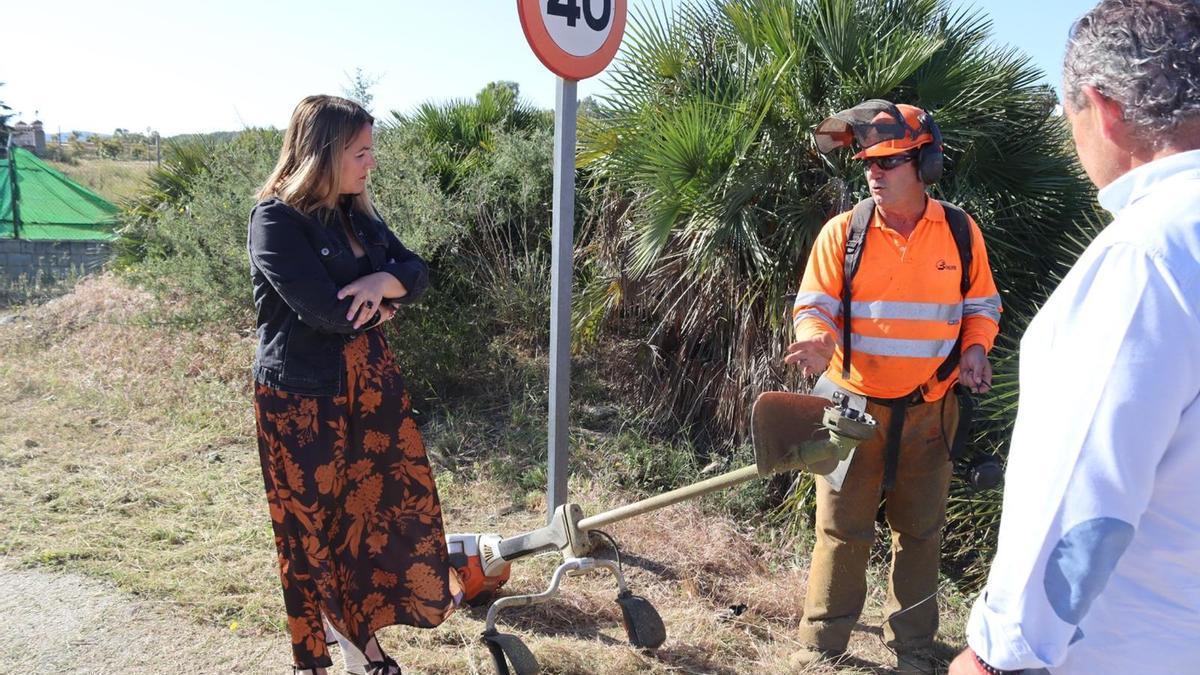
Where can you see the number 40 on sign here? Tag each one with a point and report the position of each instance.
(569, 9)
(575, 39)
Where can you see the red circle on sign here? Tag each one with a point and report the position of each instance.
(556, 58)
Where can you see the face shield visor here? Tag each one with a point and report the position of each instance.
(865, 125)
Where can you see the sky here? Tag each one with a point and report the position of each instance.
(224, 65)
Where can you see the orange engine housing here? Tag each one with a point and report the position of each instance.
(477, 586)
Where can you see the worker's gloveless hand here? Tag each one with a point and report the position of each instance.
(974, 371)
(813, 354)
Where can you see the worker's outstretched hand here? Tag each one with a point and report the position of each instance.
(974, 371)
(812, 354)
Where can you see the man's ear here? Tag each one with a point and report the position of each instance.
(1110, 116)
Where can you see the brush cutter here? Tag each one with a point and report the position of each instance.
(789, 432)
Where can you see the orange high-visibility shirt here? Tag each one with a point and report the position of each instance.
(906, 305)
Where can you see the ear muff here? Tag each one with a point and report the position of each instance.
(930, 158)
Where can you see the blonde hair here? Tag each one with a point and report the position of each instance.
(308, 173)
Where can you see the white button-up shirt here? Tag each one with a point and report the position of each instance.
(1098, 565)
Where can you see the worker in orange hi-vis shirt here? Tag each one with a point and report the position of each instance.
(896, 306)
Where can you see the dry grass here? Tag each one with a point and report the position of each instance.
(112, 179)
(127, 453)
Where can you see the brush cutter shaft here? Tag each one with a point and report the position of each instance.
(667, 498)
(790, 432)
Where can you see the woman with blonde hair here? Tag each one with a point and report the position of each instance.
(355, 511)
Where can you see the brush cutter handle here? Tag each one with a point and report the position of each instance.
(549, 538)
(559, 534)
(573, 565)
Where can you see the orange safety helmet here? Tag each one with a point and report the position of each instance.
(918, 134)
(880, 128)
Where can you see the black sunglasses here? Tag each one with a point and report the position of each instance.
(888, 163)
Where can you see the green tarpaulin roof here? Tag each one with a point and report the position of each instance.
(50, 205)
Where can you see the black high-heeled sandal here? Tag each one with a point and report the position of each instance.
(387, 666)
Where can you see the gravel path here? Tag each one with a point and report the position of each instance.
(66, 623)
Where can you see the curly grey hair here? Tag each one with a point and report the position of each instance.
(1144, 54)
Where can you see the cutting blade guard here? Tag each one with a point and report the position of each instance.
(643, 623)
(510, 655)
(800, 432)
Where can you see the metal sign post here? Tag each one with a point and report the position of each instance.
(575, 39)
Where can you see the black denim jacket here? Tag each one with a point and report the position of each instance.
(297, 265)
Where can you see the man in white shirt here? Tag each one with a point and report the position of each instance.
(1098, 565)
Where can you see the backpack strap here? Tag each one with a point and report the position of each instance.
(960, 229)
(856, 239)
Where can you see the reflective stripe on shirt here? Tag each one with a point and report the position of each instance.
(825, 301)
(816, 305)
(918, 349)
(988, 306)
(813, 314)
(916, 311)
(879, 309)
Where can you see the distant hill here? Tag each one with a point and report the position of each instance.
(65, 136)
(89, 136)
(210, 137)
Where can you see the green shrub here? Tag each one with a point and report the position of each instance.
(187, 235)
(485, 235)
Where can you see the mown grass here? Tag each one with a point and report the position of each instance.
(127, 453)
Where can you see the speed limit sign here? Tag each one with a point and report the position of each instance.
(575, 39)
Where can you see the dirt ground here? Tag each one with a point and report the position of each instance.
(68, 623)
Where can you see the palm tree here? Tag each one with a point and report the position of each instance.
(458, 134)
(168, 187)
(714, 190)
(459, 158)
(469, 183)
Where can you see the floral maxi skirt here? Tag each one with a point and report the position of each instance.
(355, 511)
